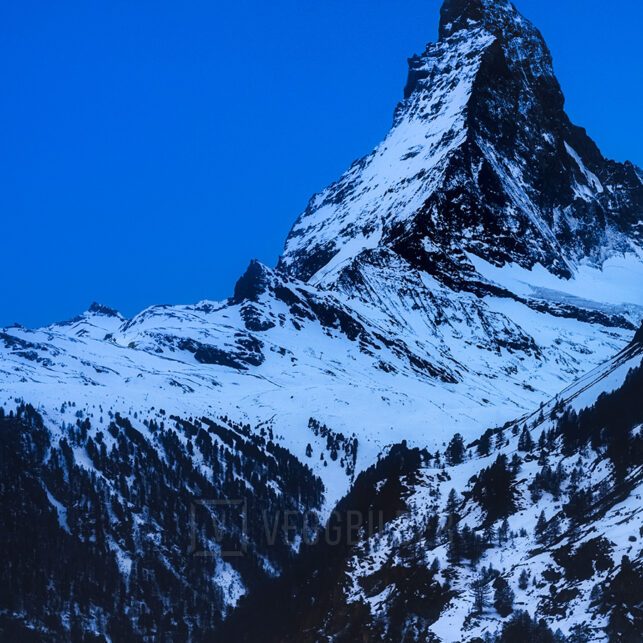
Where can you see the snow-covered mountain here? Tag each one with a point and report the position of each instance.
(532, 532)
(481, 160)
(477, 263)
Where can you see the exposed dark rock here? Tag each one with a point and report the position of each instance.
(254, 319)
(248, 353)
(638, 338)
(254, 281)
(99, 309)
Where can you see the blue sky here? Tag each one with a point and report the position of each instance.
(149, 150)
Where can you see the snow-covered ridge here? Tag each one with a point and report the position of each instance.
(402, 345)
(393, 182)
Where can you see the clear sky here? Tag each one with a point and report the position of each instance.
(150, 149)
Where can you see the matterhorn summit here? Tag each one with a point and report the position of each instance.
(481, 159)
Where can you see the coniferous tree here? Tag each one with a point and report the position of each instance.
(481, 594)
(473, 545)
(452, 506)
(581, 633)
(494, 490)
(503, 532)
(516, 463)
(541, 527)
(484, 444)
(553, 529)
(503, 599)
(489, 535)
(522, 628)
(431, 529)
(455, 450)
(579, 504)
(454, 549)
(525, 443)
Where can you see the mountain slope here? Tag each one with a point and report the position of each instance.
(151, 529)
(434, 547)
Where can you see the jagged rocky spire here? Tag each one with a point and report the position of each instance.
(100, 309)
(456, 14)
(493, 15)
(481, 159)
(523, 47)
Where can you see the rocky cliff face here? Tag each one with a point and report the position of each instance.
(481, 159)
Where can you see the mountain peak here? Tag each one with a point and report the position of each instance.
(495, 15)
(254, 281)
(523, 44)
(100, 309)
(462, 14)
(481, 158)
